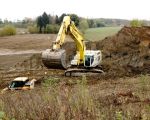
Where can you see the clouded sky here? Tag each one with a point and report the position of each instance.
(124, 9)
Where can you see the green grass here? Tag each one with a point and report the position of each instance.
(94, 34)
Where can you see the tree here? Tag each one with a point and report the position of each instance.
(40, 23)
(52, 28)
(135, 23)
(100, 24)
(1, 22)
(56, 20)
(51, 19)
(91, 23)
(45, 19)
(83, 25)
(6, 21)
(74, 18)
(61, 18)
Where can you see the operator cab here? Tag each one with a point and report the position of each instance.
(89, 59)
(92, 58)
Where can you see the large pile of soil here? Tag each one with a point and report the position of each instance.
(127, 52)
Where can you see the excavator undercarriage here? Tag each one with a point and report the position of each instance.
(82, 71)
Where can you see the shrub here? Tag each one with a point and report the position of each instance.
(8, 30)
(51, 82)
(145, 83)
(32, 29)
(135, 23)
(52, 28)
(83, 25)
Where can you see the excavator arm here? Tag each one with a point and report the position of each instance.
(56, 56)
(63, 31)
(68, 28)
(78, 38)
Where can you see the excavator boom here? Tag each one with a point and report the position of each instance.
(56, 57)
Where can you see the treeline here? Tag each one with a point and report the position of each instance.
(47, 23)
(50, 24)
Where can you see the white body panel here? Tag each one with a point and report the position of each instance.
(92, 58)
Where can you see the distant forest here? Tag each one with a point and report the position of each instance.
(48, 23)
(55, 19)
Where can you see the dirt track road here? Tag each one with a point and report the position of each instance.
(4, 52)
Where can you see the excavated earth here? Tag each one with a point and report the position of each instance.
(128, 52)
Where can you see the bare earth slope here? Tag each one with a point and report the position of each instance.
(128, 51)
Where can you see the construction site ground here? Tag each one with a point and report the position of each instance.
(126, 63)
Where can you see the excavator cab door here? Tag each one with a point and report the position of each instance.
(89, 59)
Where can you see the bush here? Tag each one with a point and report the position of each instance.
(135, 23)
(52, 28)
(51, 82)
(32, 29)
(83, 25)
(8, 30)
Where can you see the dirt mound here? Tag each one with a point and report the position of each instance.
(128, 52)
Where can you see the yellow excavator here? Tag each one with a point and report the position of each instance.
(84, 61)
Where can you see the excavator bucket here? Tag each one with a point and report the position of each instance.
(54, 59)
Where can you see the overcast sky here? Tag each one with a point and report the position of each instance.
(123, 9)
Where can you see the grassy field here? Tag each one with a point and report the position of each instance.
(56, 99)
(92, 34)
(100, 33)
